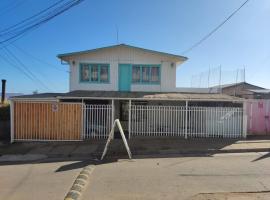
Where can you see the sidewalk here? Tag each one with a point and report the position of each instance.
(146, 146)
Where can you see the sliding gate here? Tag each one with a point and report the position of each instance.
(225, 122)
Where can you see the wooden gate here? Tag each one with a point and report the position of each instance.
(47, 121)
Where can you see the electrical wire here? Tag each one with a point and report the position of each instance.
(39, 59)
(31, 23)
(18, 68)
(214, 30)
(29, 72)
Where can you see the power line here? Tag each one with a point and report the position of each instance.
(34, 77)
(33, 22)
(32, 17)
(214, 30)
(18, 68)
(39, 59)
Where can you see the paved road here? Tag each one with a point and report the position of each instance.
(182, 178)
(39, 181)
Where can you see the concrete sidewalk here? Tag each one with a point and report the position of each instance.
(145, 146)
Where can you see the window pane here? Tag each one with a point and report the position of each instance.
(84, 72)
(135, 73)
(104, 73)
(155, 74)
(94, 72)
(145, 74)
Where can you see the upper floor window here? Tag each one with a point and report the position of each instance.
(94, 73)
(146, 74)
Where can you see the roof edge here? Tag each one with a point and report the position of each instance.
(60, 56)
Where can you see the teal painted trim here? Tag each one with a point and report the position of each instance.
(141, 82)
(90, 65)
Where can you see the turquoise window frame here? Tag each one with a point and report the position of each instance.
(90, 72)
(141, 73)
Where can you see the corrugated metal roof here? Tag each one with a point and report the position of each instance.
(234, 84)
(133, 95)
(182, 58)
(263, 91)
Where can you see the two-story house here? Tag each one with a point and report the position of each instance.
(122, 68)
(135, 85)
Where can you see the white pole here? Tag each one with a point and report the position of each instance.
(220, 79)
(209, 77)
(129, 118)
(11, 121)
(112, 118)
(186, 123)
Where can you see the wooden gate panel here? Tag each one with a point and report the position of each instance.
(47, 121)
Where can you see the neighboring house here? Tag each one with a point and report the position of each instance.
(244, 90)
(135, 85)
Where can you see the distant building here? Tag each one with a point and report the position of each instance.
(245, 90)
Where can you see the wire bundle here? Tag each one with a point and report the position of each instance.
(14, 32)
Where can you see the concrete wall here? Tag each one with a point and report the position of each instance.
(124, 55)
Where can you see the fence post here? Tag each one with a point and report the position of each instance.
(11, 121)
(112, 118)
(186, 122)
(83, 121)
(244, 119)
(129, 118)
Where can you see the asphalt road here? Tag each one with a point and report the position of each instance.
(222, 176)
(195, 178)
(41, 181)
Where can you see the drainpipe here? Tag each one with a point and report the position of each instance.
(3, 91)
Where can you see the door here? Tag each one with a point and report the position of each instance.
(124, 77)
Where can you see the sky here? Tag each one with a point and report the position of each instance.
(164, 25)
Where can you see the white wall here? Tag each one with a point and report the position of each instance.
(123, 55)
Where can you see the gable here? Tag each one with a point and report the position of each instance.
(122, 52)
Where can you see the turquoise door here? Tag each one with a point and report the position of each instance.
(124, 77)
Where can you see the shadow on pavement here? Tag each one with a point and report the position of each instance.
(84, 163)
(88, 152)
(262, 157)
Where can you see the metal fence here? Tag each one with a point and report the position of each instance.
(97, 121)
(186, 121)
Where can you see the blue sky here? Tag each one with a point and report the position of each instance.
(171, 26)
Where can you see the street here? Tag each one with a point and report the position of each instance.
(220, 176)
(182, 178)
(49, 180)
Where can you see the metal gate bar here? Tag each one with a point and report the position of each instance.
(148, 120)
(97, 121)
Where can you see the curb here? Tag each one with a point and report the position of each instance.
(80, 183)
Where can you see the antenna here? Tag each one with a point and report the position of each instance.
(244, 74)
(220, 90)
(117, 40)
(235, 88)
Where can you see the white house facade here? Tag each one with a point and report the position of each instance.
(122, 68)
